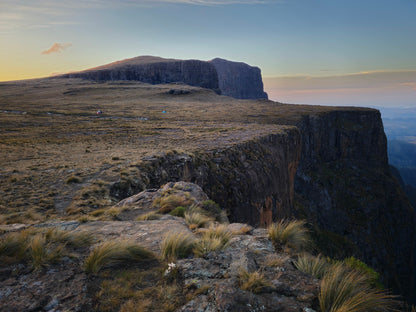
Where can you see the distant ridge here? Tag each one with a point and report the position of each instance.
(238, 80)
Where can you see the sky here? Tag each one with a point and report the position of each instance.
(330, 52)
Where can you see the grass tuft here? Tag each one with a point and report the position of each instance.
(177, 245)
(149, 216)
(315, 266)
(254, 281)
(114, 253)
(343, 290)
(197, 220)
(215, 238)
(292, 234)
(168, 203)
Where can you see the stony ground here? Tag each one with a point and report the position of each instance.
(208, 283)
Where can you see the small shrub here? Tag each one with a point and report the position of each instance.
(177, 245)
(293, 234)
(113, 253)
(254, 282)
(178, 212)
(373, 276)
(213, 210)
(343, 290)
(315, 266)
(197, 220)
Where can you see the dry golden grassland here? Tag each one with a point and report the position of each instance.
(53, 145)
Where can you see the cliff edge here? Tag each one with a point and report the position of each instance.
(237, 80)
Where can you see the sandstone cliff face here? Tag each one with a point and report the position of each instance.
(191, 72)
(239, 80)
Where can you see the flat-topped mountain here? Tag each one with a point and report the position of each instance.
(238, 80)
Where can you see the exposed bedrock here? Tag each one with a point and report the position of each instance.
(234, 79)
(191, 72)
(239, 80)
(344, 186)
(252, 180)
(331, 168)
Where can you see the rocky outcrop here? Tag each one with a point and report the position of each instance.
(155, 71)
(239, 80)
(344, 186)
(253, 181)
(208, 283)
(330, 169)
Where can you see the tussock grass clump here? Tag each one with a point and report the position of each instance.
(293, 234)
(13, 247)
(113, 253)
(177, 245)
(196, 220)
(42, 253)
(41, 247)
(73, 239)
(149, 216)
(168, 203)
(315, 266)
(215, 238)
(178, 211)
(254, 281)
(343, 290)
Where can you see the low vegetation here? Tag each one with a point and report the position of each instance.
(315, 266)
(215, 238)
(177, 245)
(197, 220)
(292, 234)
(114, 253)
(348, 290)
(40, 247)
(252, 281)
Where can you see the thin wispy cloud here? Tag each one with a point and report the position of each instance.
(28, 14)
(56, 48)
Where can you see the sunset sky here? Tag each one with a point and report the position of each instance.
(352, 52)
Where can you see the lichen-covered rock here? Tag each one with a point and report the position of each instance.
(218, 274)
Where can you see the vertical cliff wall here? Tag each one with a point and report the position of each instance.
(344, 185)
(234, 79)
(253, 181)
(191, 72)
(239, 80)
(330, 167)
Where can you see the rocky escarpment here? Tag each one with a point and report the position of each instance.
(239, 80)
(155, 71)
(330, 169)
(345, 186)
(252, 180)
